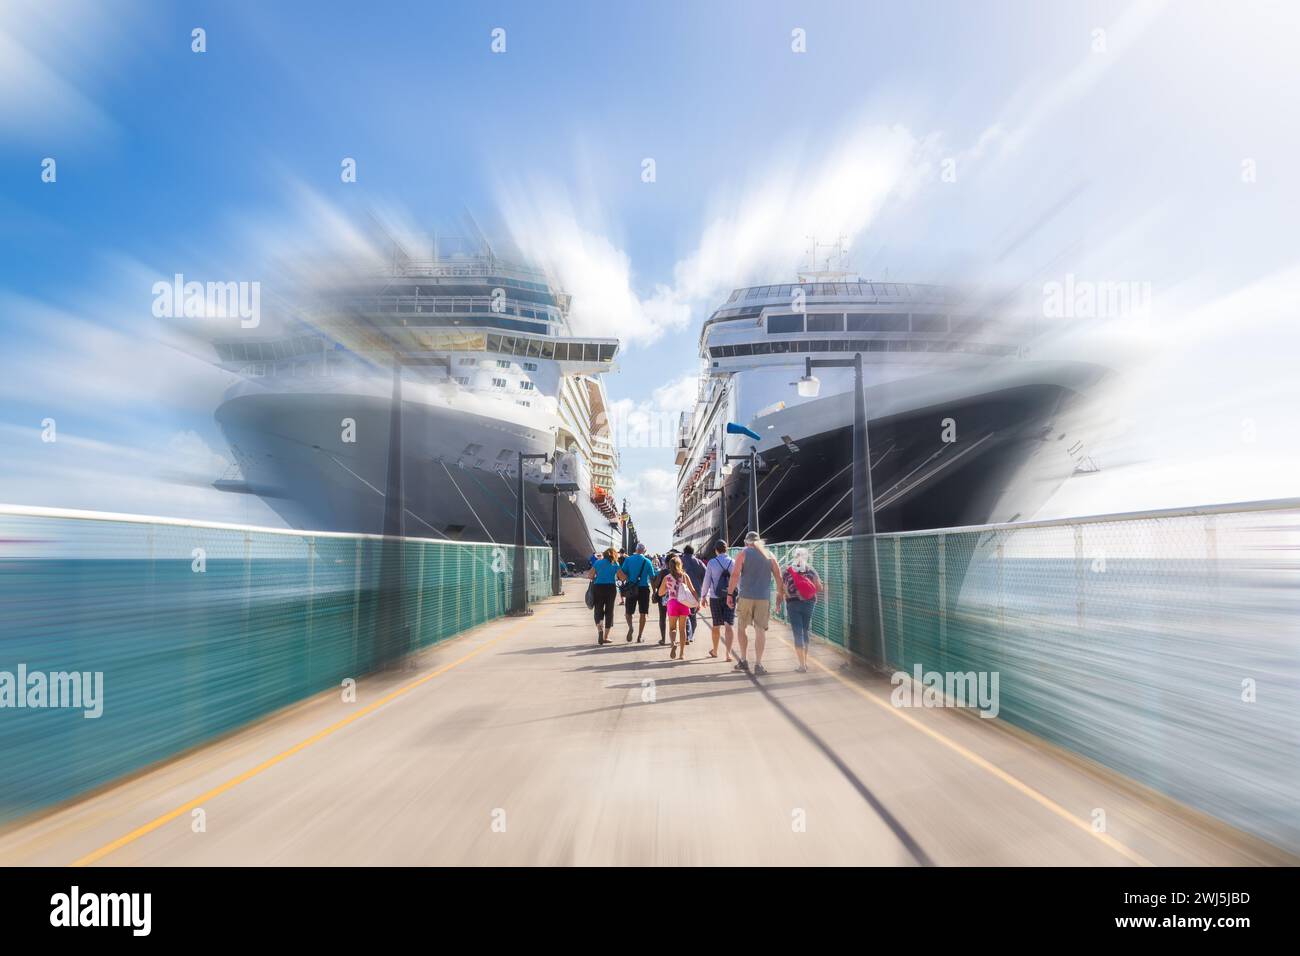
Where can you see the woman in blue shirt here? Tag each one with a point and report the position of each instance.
(604, 591)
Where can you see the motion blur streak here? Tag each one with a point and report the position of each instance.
(200, 628)
(1162, 644)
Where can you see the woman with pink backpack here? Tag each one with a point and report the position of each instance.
(802, 585)
(677, 588)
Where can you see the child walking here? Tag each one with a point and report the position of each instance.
(681, 596)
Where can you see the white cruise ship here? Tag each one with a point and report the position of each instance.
(490, 369)
(966, 425)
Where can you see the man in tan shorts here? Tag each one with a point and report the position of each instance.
(750, 593)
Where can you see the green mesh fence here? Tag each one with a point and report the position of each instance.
(1165, 646)
(198, 630)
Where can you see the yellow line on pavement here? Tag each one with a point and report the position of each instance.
(1013, 782)
(267, 764)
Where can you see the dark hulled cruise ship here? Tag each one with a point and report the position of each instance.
(966, 425)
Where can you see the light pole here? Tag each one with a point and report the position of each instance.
(519, 589)
(556, 487)
(752, 458)
(622, 521)
(864, 581)
(391, 637)
(555, 544)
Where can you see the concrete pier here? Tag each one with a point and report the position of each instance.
(523, 743)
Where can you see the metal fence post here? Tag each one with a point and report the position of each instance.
(898, 601)
(943, 602)
(1002, 604)
(419, 597)
(248, 583)
(356, 598)
(1080, 576)
(311, 599)
(1212, 557)
(843, 588)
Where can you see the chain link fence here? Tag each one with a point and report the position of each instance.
(199, 629)
(1164, 645)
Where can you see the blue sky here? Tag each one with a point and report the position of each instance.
(1111, 155)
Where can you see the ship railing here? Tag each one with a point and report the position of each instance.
(1160, 643)
(445, 305)
(409, 268)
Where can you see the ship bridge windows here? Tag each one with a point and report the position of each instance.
(877, 321)
(826, 322)
(583, 352)
(563, 351)
(929, 323)
(784, 324)
(270, 351)
(967, 324)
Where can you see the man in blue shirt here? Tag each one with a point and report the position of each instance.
(717, 576)
(637, 570)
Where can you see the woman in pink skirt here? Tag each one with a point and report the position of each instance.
(680, 592)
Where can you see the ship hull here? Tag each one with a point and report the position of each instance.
(296, 453)
(960, 459)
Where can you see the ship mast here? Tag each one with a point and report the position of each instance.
(837, 265)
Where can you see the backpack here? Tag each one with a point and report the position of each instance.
(724, 579)
(802, 585)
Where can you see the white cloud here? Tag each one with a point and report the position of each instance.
(52, 59)
(113, 367)
(1045, 101)
(654, 491)
(677, 395)
(755, 233)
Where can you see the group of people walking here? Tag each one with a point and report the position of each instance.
(737, 594)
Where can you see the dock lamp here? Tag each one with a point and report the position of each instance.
(519, 590)
(809, 385)
(555, 487)
(866, 629)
